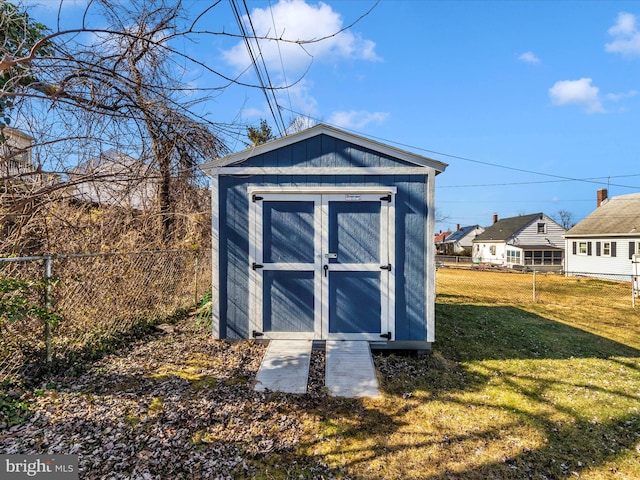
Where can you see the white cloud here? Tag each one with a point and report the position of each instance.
(626, 37)
(616, 97)
(577, 92)
(300, 98)
(295, 20)
(357, 119)
(529, 57)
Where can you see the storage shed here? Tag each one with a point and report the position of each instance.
(324, 235)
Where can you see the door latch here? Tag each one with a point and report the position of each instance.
(256, 266)
(386, 267)
(326, 269)
(386, 335)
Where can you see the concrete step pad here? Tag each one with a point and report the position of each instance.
(285, 366)
(349, 370)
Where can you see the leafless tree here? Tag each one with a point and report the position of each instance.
(85, 91)
(565, 219)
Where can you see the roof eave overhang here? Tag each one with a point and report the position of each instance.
(601, 235)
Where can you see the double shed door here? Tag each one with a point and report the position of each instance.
(321, 264)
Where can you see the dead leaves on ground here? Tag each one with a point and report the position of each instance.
(178, 406)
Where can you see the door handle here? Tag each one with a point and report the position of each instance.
(326, 269)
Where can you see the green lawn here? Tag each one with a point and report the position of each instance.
(543, 391)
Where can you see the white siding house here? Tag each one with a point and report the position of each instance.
(461, 241)
(534, 240)
(15, 154)
(603, 244)
(115, 179)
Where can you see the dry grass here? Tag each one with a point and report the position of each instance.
(532, 390)
(511, 391)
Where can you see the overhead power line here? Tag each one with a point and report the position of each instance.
(265, 85)
(559, 178)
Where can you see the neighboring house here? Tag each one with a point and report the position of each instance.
(324, 235)
(15, 154)
(534, 240)
(604, 242)
(460, 242)
(439, 240)
(115, 179)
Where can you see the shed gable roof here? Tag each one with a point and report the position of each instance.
(318, 130)
(617, 216)
(504, 229)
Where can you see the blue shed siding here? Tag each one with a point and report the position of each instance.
(410, 246)
(323, 151)
(411, 214)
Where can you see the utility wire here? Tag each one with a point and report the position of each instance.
(254, 62)
(271, 88)
(284, 73)
(560, 178)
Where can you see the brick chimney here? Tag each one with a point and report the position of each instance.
(602, 196)
(457, 227)
(495, 218)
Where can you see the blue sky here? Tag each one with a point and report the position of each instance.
(533, 104)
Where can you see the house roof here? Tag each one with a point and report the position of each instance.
(112, 162)
(617, 216)
(461, 233)
(323, 129)
(441, 237)
(19, 134)
(504, 229)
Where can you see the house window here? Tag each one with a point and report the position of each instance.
(537, 257)
(513, 256)
(582, 248)
(492, 249)
(542, 227)
(606, 249)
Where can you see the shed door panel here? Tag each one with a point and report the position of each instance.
(356, 235)
(285, 246)
(354, 231)
(317, 266)
(288, 232)
(354, 303)
(288, 301)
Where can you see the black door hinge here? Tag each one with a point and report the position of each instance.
(387, 198)
(255, 266)
(386, 267)
(255, 197)
(386, 335)
(256, 333)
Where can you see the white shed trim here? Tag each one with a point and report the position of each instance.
(418, 170)
(215, 259)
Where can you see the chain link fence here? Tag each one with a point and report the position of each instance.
(500, 286)
(57, 308)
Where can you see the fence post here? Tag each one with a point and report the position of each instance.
(195, 279)
(534, 286)
(47, 304)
